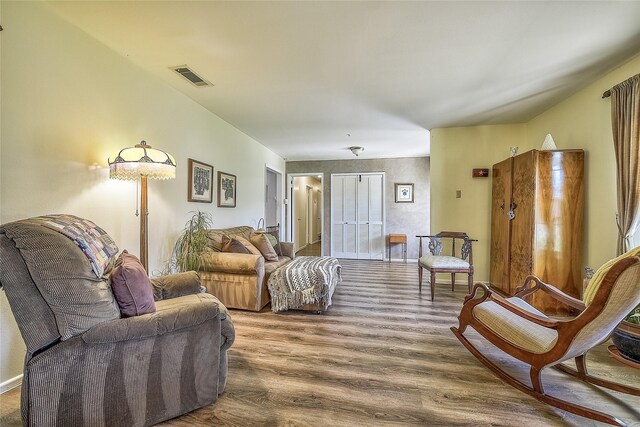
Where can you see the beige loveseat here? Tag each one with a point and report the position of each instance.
(239, 280)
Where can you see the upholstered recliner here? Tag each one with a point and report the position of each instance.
(240, 280)
(86, 366)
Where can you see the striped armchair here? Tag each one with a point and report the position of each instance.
(527, 334)
(86, 366)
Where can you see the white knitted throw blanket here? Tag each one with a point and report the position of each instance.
(304, 280)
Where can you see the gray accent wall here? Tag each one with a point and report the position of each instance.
(401, 218)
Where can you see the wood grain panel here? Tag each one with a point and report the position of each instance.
(558, 225)
(524, 196)
(382, 355)
(500, 231)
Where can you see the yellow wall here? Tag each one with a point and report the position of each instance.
(454, 153)
(581, 121)
(68, 101)
(584, 121)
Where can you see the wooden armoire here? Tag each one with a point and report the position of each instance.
(536, 223)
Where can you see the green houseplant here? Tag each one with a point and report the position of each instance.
(191, 247)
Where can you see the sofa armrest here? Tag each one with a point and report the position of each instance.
(225, 262)
(287, 249)
(176, 285)
(184, 312)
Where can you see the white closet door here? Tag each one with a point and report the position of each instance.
(344, 216)
(357, 212)
(370, 237)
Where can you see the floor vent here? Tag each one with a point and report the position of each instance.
(190, 75)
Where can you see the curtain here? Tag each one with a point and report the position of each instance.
(625, 120)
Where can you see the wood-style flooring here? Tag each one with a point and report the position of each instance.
(382, 355)
(312, 249)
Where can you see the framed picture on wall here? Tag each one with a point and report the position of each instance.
(404, 193)
(226, 190)
(200, 182)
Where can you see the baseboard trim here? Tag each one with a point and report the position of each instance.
(10, 384)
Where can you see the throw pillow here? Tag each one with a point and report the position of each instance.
(260, 241)
(247, 244)
(131, 286)
(233, 246)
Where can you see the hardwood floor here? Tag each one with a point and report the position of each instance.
(382, 355)
(312, 249)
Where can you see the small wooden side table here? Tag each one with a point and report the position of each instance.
(398, 238)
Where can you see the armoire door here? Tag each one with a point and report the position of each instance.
(357, 216)
(523, 199)
(500, 227)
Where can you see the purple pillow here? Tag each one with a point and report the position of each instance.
(131, 286)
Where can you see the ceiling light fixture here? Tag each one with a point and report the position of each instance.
(356, 150)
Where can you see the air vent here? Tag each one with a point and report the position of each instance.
(190, 75)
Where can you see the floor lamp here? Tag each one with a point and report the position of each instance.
(142, 162)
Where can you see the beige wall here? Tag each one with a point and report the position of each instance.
(454, 153)
(401, 218)
(581, 121)
(68, 101)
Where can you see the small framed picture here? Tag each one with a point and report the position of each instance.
(226, 190)
(404, 193)
(200, 182)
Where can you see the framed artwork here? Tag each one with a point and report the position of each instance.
(404, 193)
(200, 182)
(226, 190)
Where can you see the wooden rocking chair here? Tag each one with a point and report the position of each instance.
(528, 335)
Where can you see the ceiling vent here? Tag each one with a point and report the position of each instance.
(190, 75)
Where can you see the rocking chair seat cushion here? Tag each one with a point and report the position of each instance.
(441, 261)
(515, 329)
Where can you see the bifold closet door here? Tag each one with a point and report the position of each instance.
(357, 216)
(370, 237)
(344, 190)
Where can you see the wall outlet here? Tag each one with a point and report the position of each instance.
(458, 194)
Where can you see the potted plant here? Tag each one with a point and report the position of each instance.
(626, 337)
(191, 246)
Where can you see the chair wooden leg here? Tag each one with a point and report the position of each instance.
(419, 278)
(453, 280)
(536, 381)
(470, 283)
(433, 284)
(550, 400)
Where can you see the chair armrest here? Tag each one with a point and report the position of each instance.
(286, 248)
(176, 285)
(226, 262)
(527, 289)
(539, 320)
(192, 311)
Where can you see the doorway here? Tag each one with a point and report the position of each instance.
(273, 199)
(304, 214)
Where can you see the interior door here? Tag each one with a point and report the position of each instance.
(344, 216)
(357, 216)
(370, 235)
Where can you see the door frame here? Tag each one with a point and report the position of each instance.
(290, 205)
(384, 208)
(279, 194)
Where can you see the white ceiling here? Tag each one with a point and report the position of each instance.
(300, 77)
